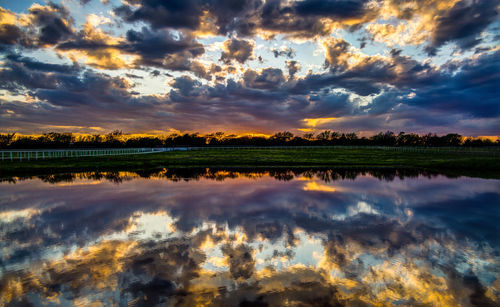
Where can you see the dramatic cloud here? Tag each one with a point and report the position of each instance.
(162, 49)
(99, 49)
(175, 14)
(10, 35)
(464, 23)
(472, 90)
(43, 26)
(21, 73)
(153, 48)
(301, 19)
(53, 22)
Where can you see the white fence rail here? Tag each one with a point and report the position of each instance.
(41, 154)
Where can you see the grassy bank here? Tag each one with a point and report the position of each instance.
(450, 162)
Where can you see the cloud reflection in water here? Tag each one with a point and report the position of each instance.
(229, 238)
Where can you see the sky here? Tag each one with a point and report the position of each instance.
(250, 66)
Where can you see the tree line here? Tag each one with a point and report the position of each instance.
(221, 174)
(117, 139)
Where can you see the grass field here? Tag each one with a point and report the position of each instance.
(450, 162)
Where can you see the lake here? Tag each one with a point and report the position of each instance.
(243, 237)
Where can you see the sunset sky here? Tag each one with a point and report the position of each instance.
(250, 66)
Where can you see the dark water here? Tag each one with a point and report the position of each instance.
(242, 238)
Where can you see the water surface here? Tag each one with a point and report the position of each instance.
(250, 238)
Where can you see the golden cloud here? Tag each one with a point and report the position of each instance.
(313, 122)
(108, 57)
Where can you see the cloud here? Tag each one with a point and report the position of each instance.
(238, 50)
(472, 90)
(288, 52)
(11, 34)
(175, 14)
(463, 24)
(151, 48)
(268, 78)
(336, 52)
(32, 64)
(312, 18)
(210, 17)
(51, 25)
(162, 48)
(336, 9)
(433, 22)
(412, 32)
(98, 49)
(232, 16)
(185, 85)
(97, 20)
(70, 96)
(283, 19)
(293, 68)
(90, 89)
(43, 26)
(367, 75)
(22, 73)
(134, 76)
(52, 21)
(303, 19)
(208, 73)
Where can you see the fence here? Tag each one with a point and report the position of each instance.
(39, 154)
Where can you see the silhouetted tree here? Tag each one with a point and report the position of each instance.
(327, 137)
(452, 139)
(282, 137)
(308, 136)
(384, 139)
(324, 136)
(6, 139)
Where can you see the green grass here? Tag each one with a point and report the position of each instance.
(449, 162)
